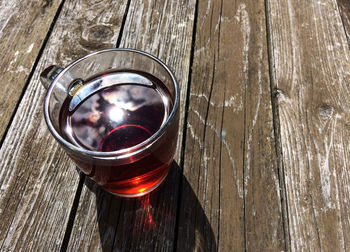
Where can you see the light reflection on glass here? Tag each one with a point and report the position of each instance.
(116, 114)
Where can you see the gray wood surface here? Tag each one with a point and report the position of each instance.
(23, 28)
(262, 162)
(38, 181)
(230, 158)
(311, 55)
(163, 28)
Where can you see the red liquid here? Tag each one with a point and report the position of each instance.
(116, 118)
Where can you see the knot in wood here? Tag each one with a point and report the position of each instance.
(100, 33)
(279, 94)
(47, 3)
(326, 110)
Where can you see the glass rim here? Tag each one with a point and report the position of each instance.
(127, 152)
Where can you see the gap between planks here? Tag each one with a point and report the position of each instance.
(276, 127)
(344, 12)
(184, 130)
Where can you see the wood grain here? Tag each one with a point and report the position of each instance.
(38, 181)
(164, 29)
(311, 56)
(23, 28)
(230, 157)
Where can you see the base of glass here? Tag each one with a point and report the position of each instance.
(141, 193)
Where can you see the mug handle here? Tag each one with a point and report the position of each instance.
(49, 74)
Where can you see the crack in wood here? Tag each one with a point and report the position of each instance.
(276, 125)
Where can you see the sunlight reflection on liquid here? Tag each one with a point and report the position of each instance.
(142, 189)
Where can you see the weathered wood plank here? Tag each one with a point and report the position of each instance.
(230, 157)
(163, 28)
(38, 181)
(344, 8)
(312, 71)
(23, 28)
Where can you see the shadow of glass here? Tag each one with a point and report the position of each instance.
(151, 222)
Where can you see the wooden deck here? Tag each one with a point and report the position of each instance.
(263, 157)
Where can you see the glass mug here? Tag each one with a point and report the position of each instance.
(116, 114)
